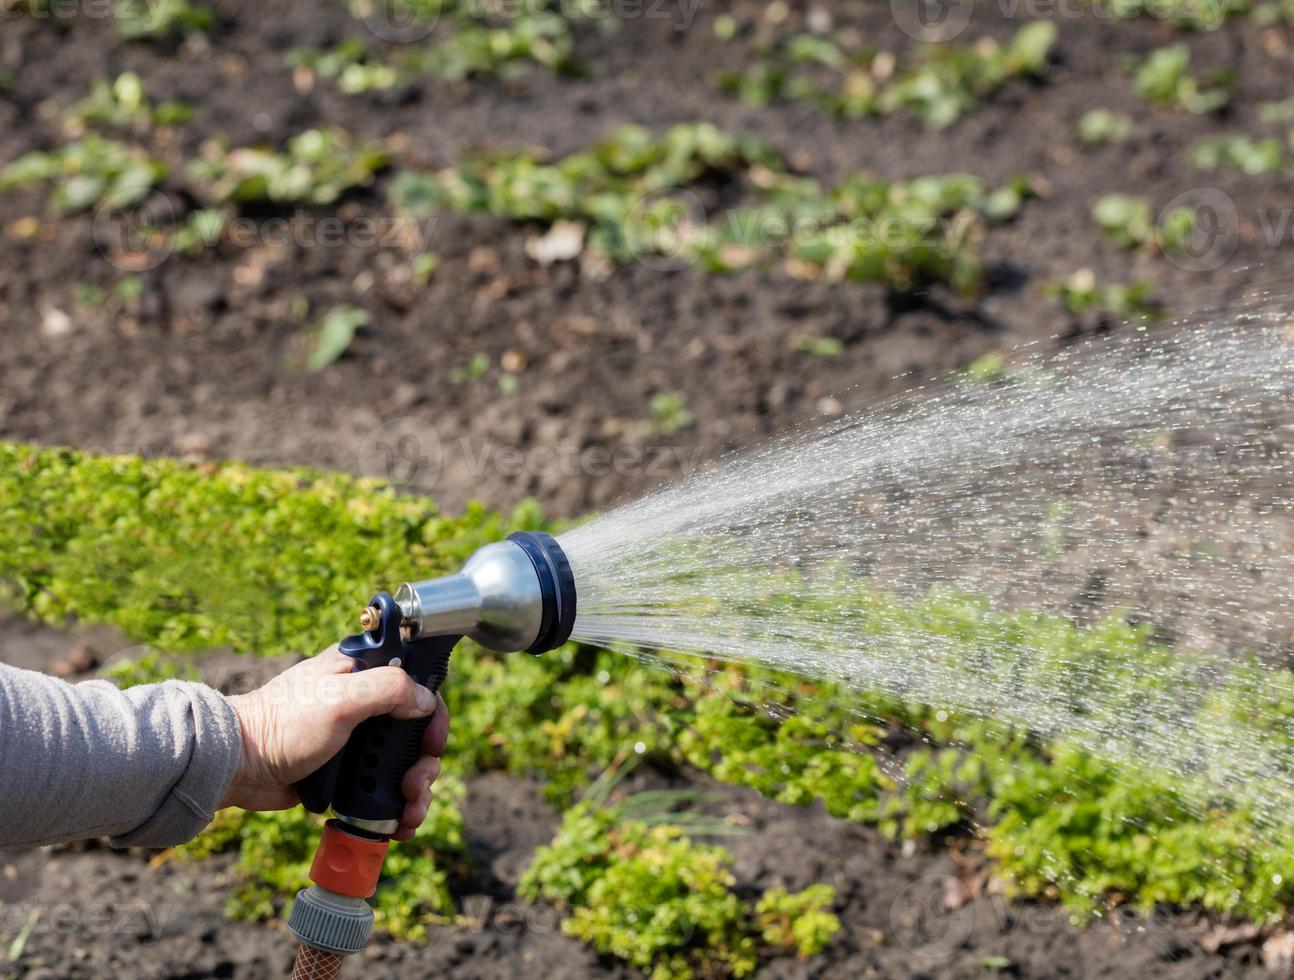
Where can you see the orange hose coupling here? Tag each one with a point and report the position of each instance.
(346, 863)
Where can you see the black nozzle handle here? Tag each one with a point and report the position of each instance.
(363, 780)
(316, 790)
(381, 750)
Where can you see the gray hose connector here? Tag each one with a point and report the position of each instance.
(331, 922)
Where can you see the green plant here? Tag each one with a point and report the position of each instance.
(89, 172)
(647, 894)
(1197, 15)
(989, 368)
(1274, 13)
(476, 368)
(824, 347)
(470, 39)
(1277, 113)
(725, 27)
(19, 944)
(423, 267)
(1100, 126)
(350, 64)
(669, 412)
(189, 558)
(799, 921)
(122, 104)
(1127, 221)
(200, 230)
(644, 894)
(953, 80)
(125, 292)
(88, 294)
(505, 50)
(317, 167)
(1263, 156)
(626, 191)
(161, 19)
(1162, 78)
(946, 82)
(334, 335)
(1081, 294)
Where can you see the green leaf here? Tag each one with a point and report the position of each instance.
(334, 335)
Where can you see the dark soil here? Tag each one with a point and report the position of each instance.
(204, 367)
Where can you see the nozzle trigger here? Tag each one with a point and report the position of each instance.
(376, 648)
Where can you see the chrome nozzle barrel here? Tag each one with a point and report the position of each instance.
(517, 594)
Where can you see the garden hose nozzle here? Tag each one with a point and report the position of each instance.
(517, 594)
(512, 595)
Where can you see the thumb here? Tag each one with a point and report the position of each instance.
(384, 691)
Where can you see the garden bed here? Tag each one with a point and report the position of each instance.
(105, 913)
(206, 361)
(204, 356)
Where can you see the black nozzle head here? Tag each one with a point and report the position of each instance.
(556, 585)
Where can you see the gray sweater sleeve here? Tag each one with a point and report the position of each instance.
(146, 767)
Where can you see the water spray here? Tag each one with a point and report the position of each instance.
(1147, 480)
(513, 595)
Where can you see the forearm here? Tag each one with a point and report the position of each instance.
(145, 766)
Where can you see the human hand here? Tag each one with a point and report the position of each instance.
(302, 718)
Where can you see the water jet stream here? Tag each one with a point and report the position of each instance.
(1144, 480)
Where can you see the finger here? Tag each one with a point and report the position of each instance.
(384, 691)
(437, 735)
(420, 776)
(413, 817)
(329, 661)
